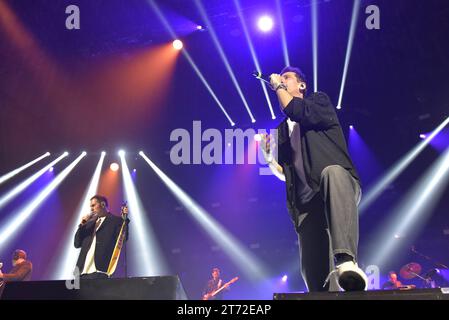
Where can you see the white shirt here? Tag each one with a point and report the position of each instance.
(304, 191)
(89, 264)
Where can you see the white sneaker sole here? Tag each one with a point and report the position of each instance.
(352, 281)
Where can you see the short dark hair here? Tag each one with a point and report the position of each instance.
(100, 199)
(299, 74)
(216, 269)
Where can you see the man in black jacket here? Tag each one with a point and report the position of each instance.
(323, 187)
(97, 236)
(213, 285)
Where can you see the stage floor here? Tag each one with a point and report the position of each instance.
(414, 294)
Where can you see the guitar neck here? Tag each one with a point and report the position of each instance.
(218, 291)
(224, 286)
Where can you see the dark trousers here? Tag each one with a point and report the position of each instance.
(328, 225)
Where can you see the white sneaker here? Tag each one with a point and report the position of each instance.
(350, 277)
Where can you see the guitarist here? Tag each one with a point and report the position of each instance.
(214, 284)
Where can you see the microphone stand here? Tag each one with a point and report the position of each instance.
(436, 263)
(428, 277)
(126, 264)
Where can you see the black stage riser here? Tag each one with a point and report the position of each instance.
(416, 294)
(147, 288)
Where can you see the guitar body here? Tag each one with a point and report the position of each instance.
(212, 294)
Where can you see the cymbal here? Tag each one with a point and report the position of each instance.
(410, 270)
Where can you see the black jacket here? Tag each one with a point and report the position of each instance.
(106, 238)
(322, 144)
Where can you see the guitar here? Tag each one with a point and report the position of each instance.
(212, 294)
(120, 240)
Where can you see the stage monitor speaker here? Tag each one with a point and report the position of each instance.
(414, 294)
(145, 288)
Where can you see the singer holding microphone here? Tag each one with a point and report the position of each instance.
(323, 187)
(100, 235)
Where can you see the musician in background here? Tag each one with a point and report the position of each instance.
(213, 285)
(393, 282)
(22, 268)
(97, 236)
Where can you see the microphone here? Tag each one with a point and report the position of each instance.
(89, 217)
(261, 76)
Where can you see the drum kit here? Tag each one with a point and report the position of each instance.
(430, 278)
(413, 270)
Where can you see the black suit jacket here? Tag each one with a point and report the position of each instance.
(322, 144)
(106, 238)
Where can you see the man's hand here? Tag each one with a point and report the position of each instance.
(266, 143)
(1, 274)
(275, 80)
(207, 296)
(85, 218)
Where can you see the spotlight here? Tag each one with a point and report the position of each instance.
(351, 127)
(51, 169)
(16, 171)
(415, 208)
(245, 260)
(199, 27)
(314, 13)
(257, 137)
(121, 153)
(134, 170)
(422, 136)
(24, 184)
(114, 166)
(224, 58)
(284, 278)
(253, 120)
(103, 153)
(149, 259)
(172, 33)
(19, 218)
(140, 153)
(398, 168)
(177, 44)
(265, 23)
(273, 117)
(352, 29)
(283, 37)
